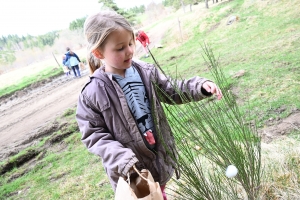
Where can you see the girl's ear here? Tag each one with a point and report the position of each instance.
(97, 54)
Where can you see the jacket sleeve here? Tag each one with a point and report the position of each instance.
(116, 159)
(180, 91)
(67, 58)
(77, 57)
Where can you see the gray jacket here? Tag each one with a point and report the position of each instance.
(110, 131)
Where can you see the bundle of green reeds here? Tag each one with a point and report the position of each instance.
(210, 135)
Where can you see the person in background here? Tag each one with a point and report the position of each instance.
(73, 60)
(65, 68)
(144, 40)
(114, 110)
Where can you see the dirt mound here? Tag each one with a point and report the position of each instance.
(26, 114)
(277, 127)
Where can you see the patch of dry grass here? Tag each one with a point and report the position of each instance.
(281, 173)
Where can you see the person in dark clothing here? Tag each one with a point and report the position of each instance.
(72, 61)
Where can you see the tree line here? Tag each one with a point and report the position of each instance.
(11, 43)
(178, 3)
(129, 14)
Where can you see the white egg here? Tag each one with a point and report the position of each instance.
(231, 171)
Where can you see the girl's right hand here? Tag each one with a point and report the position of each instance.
(213, 89)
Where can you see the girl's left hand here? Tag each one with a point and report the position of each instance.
(213, 89)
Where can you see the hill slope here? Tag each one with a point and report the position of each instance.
(259, 55)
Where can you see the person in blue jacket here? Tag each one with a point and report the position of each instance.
(65, 67)
(72, 61)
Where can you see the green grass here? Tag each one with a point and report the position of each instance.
(267, 50)
(64, 170)
(27, 81)
(70, 173)
(264, 42)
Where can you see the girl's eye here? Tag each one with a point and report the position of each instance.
(121, 49)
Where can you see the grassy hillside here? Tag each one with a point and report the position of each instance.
(263, 45)
(259, 55)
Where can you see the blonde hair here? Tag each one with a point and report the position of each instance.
(97, 28)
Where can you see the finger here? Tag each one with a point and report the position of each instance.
(219, 94)
(206, 87)
(213, 89)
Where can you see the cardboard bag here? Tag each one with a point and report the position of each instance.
(82, 66)
(143, 188)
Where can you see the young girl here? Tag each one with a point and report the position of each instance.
(114, 108)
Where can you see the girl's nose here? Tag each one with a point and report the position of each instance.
(130, 49)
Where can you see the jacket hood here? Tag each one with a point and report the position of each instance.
(69, 54)
(100, 74)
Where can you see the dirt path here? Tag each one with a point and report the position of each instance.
(29, 110)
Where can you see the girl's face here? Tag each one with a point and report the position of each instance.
(118, 51)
